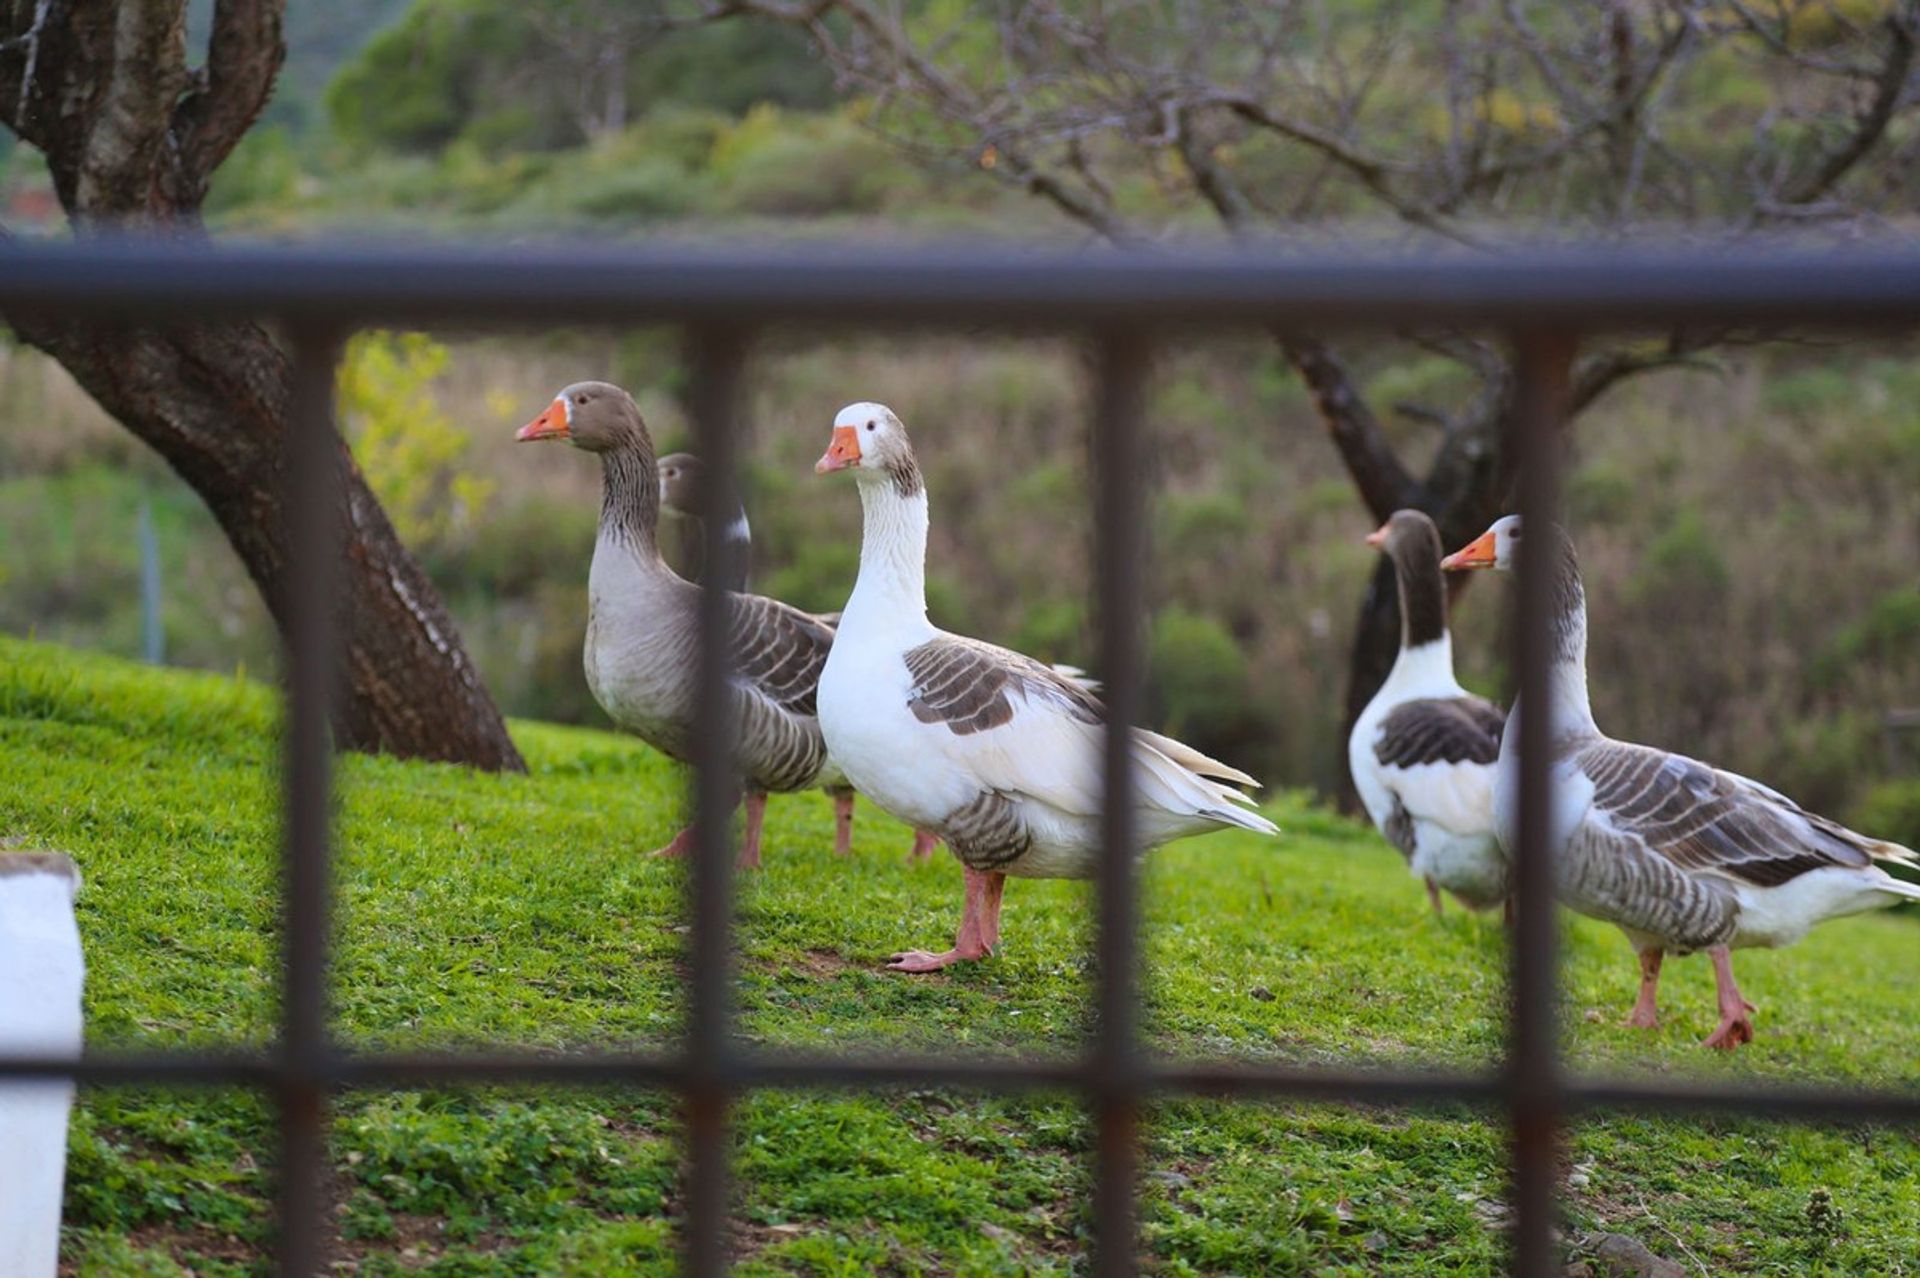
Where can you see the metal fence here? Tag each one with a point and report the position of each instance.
(1541, 301)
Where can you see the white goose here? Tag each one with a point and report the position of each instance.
(682, 477)
(995, 752)
(642, 650)
(1422, 753)
(1678, 854)
(41, 971)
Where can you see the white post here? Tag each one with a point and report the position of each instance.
(40, 976)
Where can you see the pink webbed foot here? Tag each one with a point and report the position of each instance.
(924, 961)
(678, 846)
(1733, 1032)
(979, 926)
(924, 843)
(1736, 1014)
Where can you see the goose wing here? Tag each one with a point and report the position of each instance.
(1436, 756)
(778, 654)
(1706, 821)
(1020, 727)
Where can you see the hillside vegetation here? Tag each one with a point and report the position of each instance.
(474, 908)
(1748, 535)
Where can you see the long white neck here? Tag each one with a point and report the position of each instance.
(1567, 668)
(1425, 669)
(893, 553)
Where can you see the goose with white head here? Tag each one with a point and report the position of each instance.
(642, 649)
(1680, 855)
(997, 753)
(1423, 751)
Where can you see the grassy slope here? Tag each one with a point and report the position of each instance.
(517, 907)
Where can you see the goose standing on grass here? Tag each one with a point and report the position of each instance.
(642, 650)
(682, 484)
(995, 752)
(681, 480)
(1422, 752)
(40, 977)
(1678, 854)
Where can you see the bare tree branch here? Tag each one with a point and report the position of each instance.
(244, 54)
(1889, 86)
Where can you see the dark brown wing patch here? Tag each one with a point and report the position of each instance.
(970, 686)
(1440, 730)
(1702, 819)
(780, 651)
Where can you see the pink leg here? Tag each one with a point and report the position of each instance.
(1736, 1023)
(1646, 1010)
(924, 842)
(969, 943)
(749, 858)
(1433, 898)
(990, 912)
(843, 823)
(678, 846)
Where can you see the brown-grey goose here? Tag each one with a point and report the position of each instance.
(1680, 855)
(642, 629)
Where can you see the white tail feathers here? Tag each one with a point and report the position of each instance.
(1193, 761)
(1900, 888)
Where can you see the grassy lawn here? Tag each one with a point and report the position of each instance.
(475, 908)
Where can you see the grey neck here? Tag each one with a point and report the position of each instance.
(630, 497)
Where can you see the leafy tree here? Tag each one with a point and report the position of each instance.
(541, 74)
(1450, 127)
(406, 444)
(131, 134)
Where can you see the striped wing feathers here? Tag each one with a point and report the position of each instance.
(970, 686)
(1440, 730)
(1704, 820)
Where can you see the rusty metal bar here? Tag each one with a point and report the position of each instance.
(1387, 1089)
(1120, 553)
(1535, 1091)
(311, 497)
(715, 358)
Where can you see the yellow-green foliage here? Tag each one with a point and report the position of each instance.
(405, 443)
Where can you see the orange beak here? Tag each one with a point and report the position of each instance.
(1478, 553)
(551, 424)
(1378, 537)
(842, 453)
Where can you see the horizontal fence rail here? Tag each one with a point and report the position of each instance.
(1541, 299)
(515, 286)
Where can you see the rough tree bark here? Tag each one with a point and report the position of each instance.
(132, 136)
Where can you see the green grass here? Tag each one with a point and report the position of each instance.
(474, 908)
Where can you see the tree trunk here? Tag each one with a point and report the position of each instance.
(131, 137)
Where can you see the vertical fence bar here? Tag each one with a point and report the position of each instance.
(1120, 367)
(714, 357)
(310, 502)
(1534, 1078)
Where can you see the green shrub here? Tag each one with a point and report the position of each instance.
(1890, 810)
(1202, 690)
